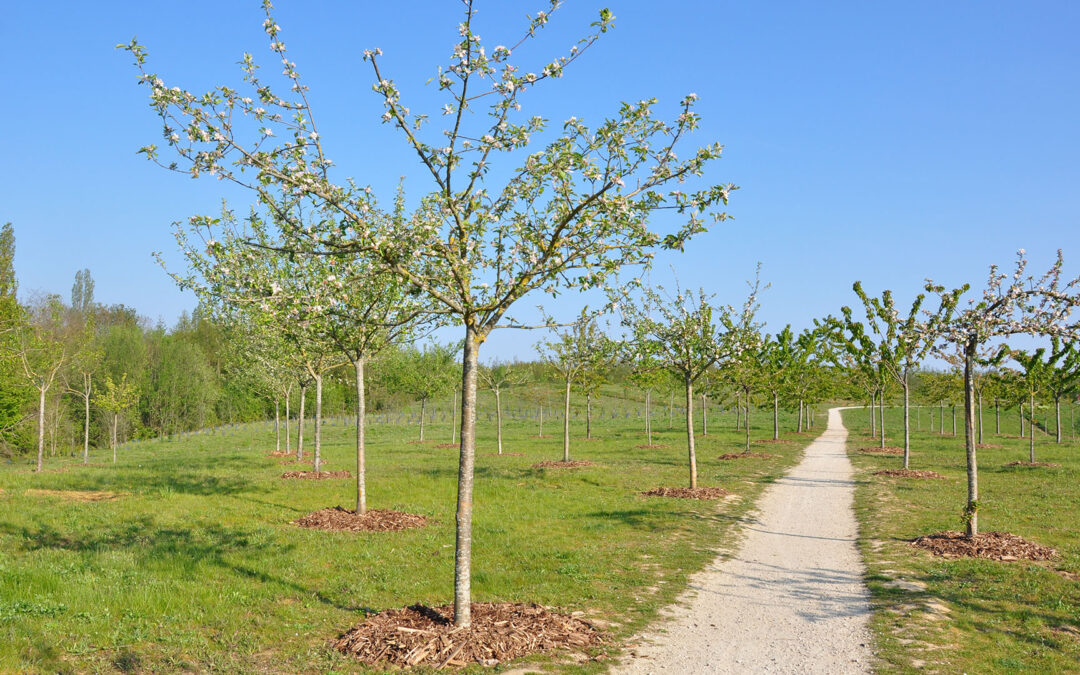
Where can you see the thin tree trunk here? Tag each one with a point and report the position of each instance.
(801, 415)
(300, 425)
(1057, 420)
(747, 449)
(648, 414)
(318, 422)
(277, 425)
(688, 383)
(466, 466)
(588, 415)
(997, 417)
(288, 420)
(776, 416)
(423, 412)
(541, 434)
(971, 511)
(86, 429)
(881, 414)
(907, 423)
(704, 415)
(41, 427)
(498, 421)
(361, 459)
(1031, 428)
(941, 418)
(873, 417)
(566, 423)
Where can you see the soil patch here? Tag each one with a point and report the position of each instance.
(447, 446)
(316, 475)
(339, 519)
(890, 450)
(990, 545)
(280, 453)
(505, 454)
(572, 464)
(746, 455)
(654, 446)
(425, 636)
(688, 493)
(908, 473)
(1050, 464)
(79, 495)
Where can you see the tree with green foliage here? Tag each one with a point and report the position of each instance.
(426, 373)
(570, 354)
(687, 335)
(41, 351)
(647, 375)
(1062, 377)
(117, 397)
(1010, 305)
(497, 377)
(87, 355)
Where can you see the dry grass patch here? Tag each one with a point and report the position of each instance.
(78, 495)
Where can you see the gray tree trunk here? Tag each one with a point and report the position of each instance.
(288, 419)
(300, 425)
(361, 459)
(747, 449)
(971, 511)
(881, 414)
(704, 415)
(423, 413)
(588, 415)
(41, 427)
(466, 468)
(277, 424)
(688, 383)
(1031, 428)
(498, 421)
(318, 422)
(86, 428)
(648, 414)
(997, 417)
(566, 423)
(776, 416)
(873, 417)
(1057, 421)
(907, 422)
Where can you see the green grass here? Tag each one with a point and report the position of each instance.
(974, 616)
(199, 569)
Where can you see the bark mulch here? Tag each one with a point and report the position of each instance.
(887, 450)
(572, 464)
(280, 453)
(654, 446)
(339, 519)
(312, 475)
(505, 454)
(1050, 464)
(688, 493)
(447, 446)
(426, 636)
(908, 473)
(745, 455)
(779, 441)
(990, 545)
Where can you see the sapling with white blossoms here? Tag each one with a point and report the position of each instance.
(1010, 305)
(686, 334)
(568, 216)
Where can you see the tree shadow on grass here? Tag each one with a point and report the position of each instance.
(183, 482)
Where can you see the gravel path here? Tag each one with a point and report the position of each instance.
(791, 600)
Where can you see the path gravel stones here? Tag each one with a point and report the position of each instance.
(791, 599)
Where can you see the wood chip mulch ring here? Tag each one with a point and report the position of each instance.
(426, 636)
(745, 455)
(572, 464)
(990, 545)
(1032, 464)
(321, 475)
(505, 454)
(889, 450)
(447, 446)
(908, 473)
(340, 519)
(688, 493)
(777, 441)
(654, 446)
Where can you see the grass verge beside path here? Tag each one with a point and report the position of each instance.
(192, 563)
(967, 615)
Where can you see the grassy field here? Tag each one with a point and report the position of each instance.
(965, 615)
(196, 567)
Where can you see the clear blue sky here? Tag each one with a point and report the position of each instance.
(885, 142)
